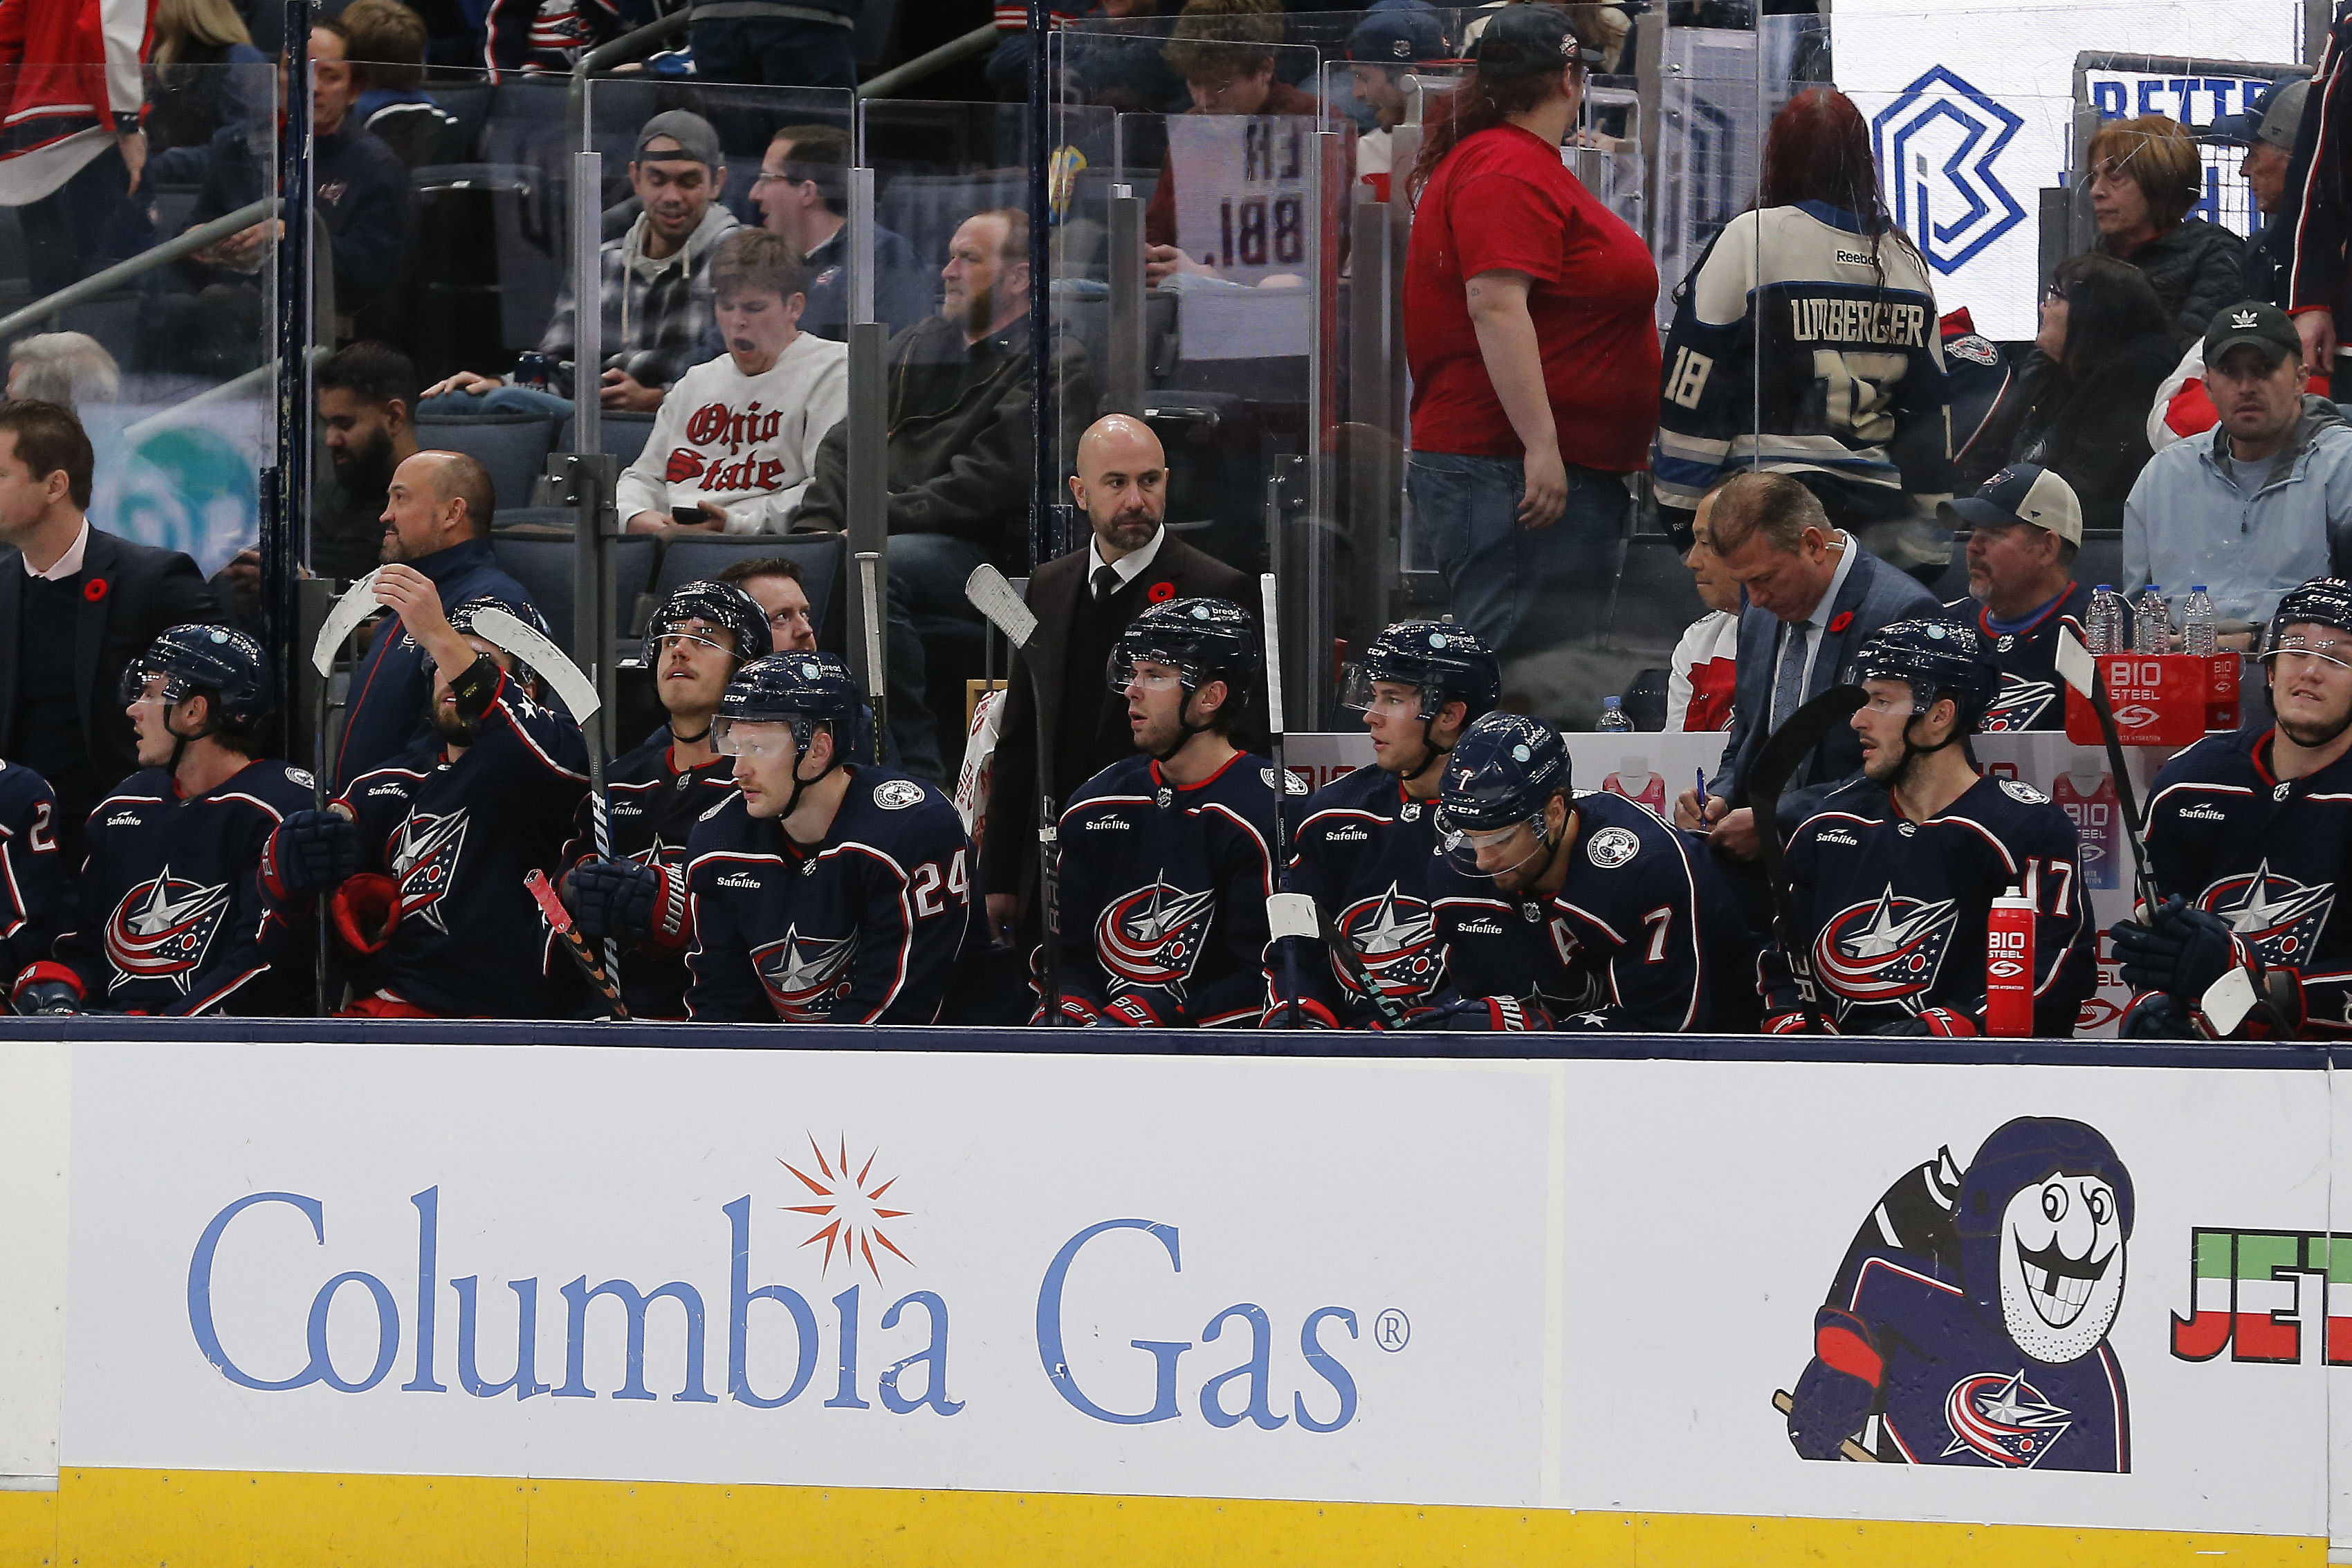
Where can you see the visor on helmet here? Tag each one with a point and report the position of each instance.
(1122, 673)
(135, 677)
(759, 738)
(2318, 642)
(1359, 693)
(1520, 843)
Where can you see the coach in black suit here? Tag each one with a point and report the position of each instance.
(1814, 596)
(1083, 601)
(77, 605)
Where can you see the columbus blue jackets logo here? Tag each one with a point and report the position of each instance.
(1969, 1323)
(2279, 916)
(1154, 935)
(1396, 937)
(805, 976)
(1883, 949)
(2018, 705)
(424, 862)
(162, 929)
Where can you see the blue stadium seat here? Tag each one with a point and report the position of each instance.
(692, 558)
(622, 434)
(512, 446)
(543, 566)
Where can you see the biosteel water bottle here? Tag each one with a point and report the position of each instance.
(2009, 967)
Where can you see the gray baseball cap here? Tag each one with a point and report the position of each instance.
(2271, 118)
(696, 138)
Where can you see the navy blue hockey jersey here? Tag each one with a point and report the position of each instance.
(2224, 834)
(2032, 695)
(862, 927)
(1641, 934)
(35, 897)
(654, 806)
(1789, 351)
(458, 837)
(1368, 855)
(172, 915)
(1894, 913)
(1163, 893)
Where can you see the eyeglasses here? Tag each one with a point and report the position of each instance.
(764, 178)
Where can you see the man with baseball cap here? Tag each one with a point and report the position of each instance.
(1394, 36)
(2024, 528)
(655, 283)
(2266, 131)
(2262, 504)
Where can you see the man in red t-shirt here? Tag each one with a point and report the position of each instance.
(1531, 334)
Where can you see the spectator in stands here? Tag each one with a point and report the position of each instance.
(367, 402)
(801, 194)
(960, 460)
(774, 583)
(2024, 528)
(436, 518)
(2324, 205)
(1083, 601)
(779, 43)
(1806, 342)
(2279, 468)
(68, 369)
(1814, 596)
(2078, 403)
(206, 74)
(2145, 175)
(388, 43)
(1699, 677)
(70, 82)
(547, 37)
(739, 442)
(1534, 350)
(654, 287)
(2266, 131)
(1124, 72)
(77, 605)
(1394, 36)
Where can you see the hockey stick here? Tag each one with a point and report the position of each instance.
(869, 591)
(2228, 1001)
(559, 919)
(1351, 964)
(356, 603)
(1776, 763)
(994, 597)
(578, 693)
(1847, 1447)
(1288, 916)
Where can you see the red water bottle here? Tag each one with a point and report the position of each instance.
(2009, 967)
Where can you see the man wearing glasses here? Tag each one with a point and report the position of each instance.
(802, 194)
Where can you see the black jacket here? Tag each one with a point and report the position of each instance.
(2091, 432)
(2195, 267)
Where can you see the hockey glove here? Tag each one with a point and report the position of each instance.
(46, 989)
(1312, 1014)
(624, 899)
(1942, 1021)
(1128, 1010)
(2155, 1015)
(1834, 1396)
(2180, 950)
(1499, 1015)
(309, 851)
(363, 911)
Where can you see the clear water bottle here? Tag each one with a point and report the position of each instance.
(2152, 629)
(2105, 630)
(2197, 634)
(1612, 718)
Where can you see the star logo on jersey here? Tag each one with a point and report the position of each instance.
(2018, 705)
(2280, 917)
(162, 928)
(425, 863)
(1396, 937)
(1154, 935)
(804, 976)
(2004, 1420)
(1885, 950)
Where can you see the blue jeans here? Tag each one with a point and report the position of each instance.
(1518, 589)
(929, 617)
(776, 51)
(499, 399)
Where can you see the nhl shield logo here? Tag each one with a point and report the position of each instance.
(2279, 916)
(1883, 949)
(1153, 935)
(1396, 937)
(162, 929)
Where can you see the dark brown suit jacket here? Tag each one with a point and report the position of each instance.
(1008, 854)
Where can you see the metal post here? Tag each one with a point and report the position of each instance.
(589, 472)
(1310, 673)
(868, 454)
(287, 493)
(1043, 417)
(1372, 419)
(1123, 389)
(861, 244)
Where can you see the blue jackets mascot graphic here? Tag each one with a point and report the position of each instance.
(1969, 1323)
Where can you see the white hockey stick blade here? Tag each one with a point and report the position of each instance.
(1265, 597)
(870, 589)
(533, 648)
(1292, 915)
(992, 594)
(2074, 662)
(356, 605)
(2228, 1001)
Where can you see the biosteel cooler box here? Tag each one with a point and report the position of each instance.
(2159, 699)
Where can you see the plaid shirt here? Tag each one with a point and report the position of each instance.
(657, 313)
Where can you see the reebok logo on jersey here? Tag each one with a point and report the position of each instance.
(1853, 258)
(162, 928)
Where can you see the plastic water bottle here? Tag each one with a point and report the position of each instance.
(2105, 629)
(2153, 632)
(2196, 622)
(1612, 718)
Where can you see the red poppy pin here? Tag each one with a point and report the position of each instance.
(1841, 621)
(1161, 592)
(94, 589)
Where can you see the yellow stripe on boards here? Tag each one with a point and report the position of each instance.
(201, 1518)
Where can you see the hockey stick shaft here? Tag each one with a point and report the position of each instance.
(1848, 1448)
(869, 591)
(1268, 592)
(993, 596)
(559, 920)
(1777, 760)
(2080, 669)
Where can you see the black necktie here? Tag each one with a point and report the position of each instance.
(1106, 581)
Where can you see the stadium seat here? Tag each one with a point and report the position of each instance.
(2101, 557)
(543, 566)
(622, 434)
(512, 446)
(691, 558)
(1654, 595)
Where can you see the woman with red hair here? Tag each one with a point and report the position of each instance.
(1805, 340)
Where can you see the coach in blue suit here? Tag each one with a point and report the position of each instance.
(1814, 595)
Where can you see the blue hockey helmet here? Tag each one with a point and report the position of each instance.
(1443, 661)
(1504, 769)
(802, 690)
(226, 664)
(1936, 659)
(462, 619)
(1202, 640)
(2322, 601)
(721, 604)
(2044, 1211)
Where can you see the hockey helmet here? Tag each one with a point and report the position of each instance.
(1444, 661)
(720, 604)
(229, 665)
(1202, 640)
(462, 619)
(1936, 658)
(2322, 601)
(802, 690)
(2045, 1209)
(1504, 769)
